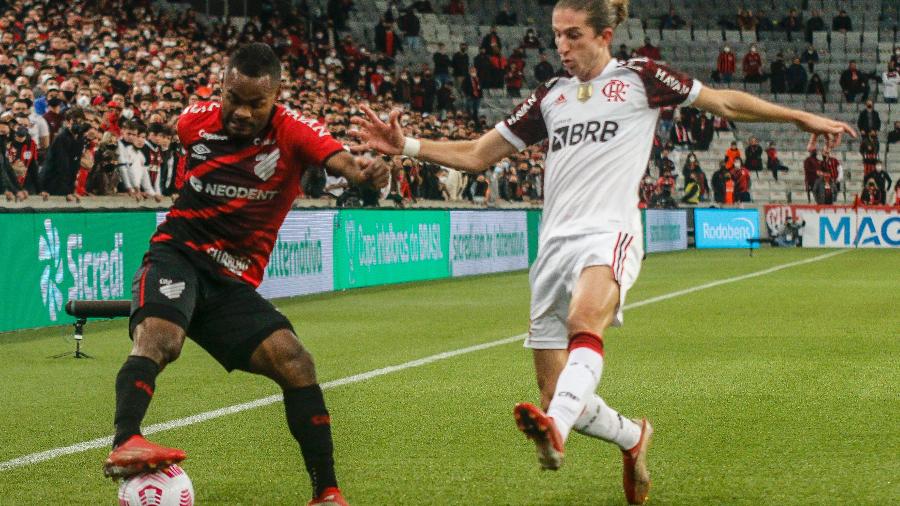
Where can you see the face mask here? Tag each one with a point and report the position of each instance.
(145, 90)
(443, 179)
(727, 49)
(83, 100)
(308, 75)
(156, 63)
(332, 87)
(285, 95)
(128, 113)
(28, 71)
(416, 80)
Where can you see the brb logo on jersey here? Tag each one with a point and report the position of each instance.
(614, 91)
(593, 131)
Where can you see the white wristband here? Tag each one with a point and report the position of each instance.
(411, 147)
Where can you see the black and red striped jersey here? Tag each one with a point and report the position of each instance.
(237, 193)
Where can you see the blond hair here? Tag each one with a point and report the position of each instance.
(602, 14)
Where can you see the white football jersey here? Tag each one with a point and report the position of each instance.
(600, 135)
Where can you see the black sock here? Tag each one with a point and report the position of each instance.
(134, 389)
(310, 424)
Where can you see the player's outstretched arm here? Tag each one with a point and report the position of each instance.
(739, 106)
(387, 138)
(359, 171)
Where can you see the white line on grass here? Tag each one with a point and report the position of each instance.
(102, 442)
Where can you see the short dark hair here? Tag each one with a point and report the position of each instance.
(74, 113)
(256, 60)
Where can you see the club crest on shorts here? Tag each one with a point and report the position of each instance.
(171, 289)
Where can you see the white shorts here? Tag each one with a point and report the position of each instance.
(556, 271)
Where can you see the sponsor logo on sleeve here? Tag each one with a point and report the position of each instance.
(671, 82)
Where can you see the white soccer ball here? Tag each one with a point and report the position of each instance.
(165, 487)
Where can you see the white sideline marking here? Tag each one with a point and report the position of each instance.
(102, 442)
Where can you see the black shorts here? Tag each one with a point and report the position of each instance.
(225, 316)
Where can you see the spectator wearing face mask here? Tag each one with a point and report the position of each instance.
(832, 166)
(823, 189)
(810, 57)
(869, 147)
(22, 156)
(725, 64)
(472, 90)
(890, 80)
(882, 180)
(64, 157)
(39, 131)
(871, 195)
(752, 66)
(753, 154)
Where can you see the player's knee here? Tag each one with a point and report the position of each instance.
(282, 358)
(159, 340)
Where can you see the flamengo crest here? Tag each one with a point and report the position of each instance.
(614, 91)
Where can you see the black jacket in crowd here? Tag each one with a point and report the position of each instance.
(63, 160)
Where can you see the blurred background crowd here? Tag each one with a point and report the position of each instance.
(90, 92)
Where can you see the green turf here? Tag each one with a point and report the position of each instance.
(778, 389)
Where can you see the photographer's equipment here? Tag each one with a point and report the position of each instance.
(84, 309)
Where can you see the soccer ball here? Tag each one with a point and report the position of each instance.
(165, 487)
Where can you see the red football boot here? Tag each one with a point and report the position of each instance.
(331, 496)
(635, 475)
(137, 455)
(541, 429)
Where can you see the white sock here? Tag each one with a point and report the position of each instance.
(574, 387)
(601, 421)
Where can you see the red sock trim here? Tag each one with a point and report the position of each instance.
(586, 340)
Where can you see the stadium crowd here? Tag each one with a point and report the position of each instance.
(89, 101)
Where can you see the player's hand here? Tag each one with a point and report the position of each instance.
(9, 196)
(386, 138)
(818, 125)
(374, 173)
(21, 196)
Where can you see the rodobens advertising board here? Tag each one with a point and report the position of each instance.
(726, 228)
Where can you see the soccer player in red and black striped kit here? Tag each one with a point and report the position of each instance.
(245, 158)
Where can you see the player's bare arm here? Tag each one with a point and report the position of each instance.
(387, 138)
(359, 171)
(739, 106)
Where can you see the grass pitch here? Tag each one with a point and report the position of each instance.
(779, 389)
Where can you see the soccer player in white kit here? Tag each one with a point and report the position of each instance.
(600, 124)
